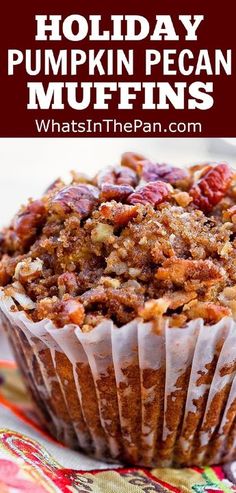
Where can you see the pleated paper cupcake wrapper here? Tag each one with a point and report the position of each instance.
(128, 394)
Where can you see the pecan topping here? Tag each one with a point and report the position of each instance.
(230, 214)
(182, 198)
(25, 224)
(61, 312)
(180, 298)
(120, 215)
(133, 161)
(117, 176)
(28, 270)
(179, 271)
(73, 309)
(67, 283)
(210, 312)
(135, 240)
(154, 193)
(4, 276)
(212, 187)
(119, 302)
(80, 199)
(120, 193)
(163, 172)
(154, 308)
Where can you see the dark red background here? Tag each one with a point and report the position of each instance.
(17, 31)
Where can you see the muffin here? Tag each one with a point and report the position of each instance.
(118, 295)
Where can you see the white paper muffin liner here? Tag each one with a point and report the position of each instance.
(130, 394)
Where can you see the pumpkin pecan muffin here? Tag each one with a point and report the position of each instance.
(119, 298)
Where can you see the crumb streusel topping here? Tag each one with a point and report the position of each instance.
(137, 240)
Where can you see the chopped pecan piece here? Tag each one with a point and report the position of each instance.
(177, 320)
(73, 309)
(122, 304)
(230, 214)
(212, 187)
(154, 193)
(25, 224)
(133, 160)
(120, 214)
(28, 270)
(120, 193)
(163, 172)
(154, 308)
(4, 275)
(67, 283)
(210, 312)
(182, 198)
(61, 312)
(180, 298)
(95, 295)
(198, 170)
(178, 271)
(117, 176)
(228, 298)
(80, 199)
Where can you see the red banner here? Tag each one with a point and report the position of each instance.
(83, 69)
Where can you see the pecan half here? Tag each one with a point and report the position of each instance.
(120, 214)
(117, 176)
(25, 224)
(154, 193)
(80, 199)
(120, 193)
(212, 187)
(163, 172)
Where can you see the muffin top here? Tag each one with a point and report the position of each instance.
(139, 239)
